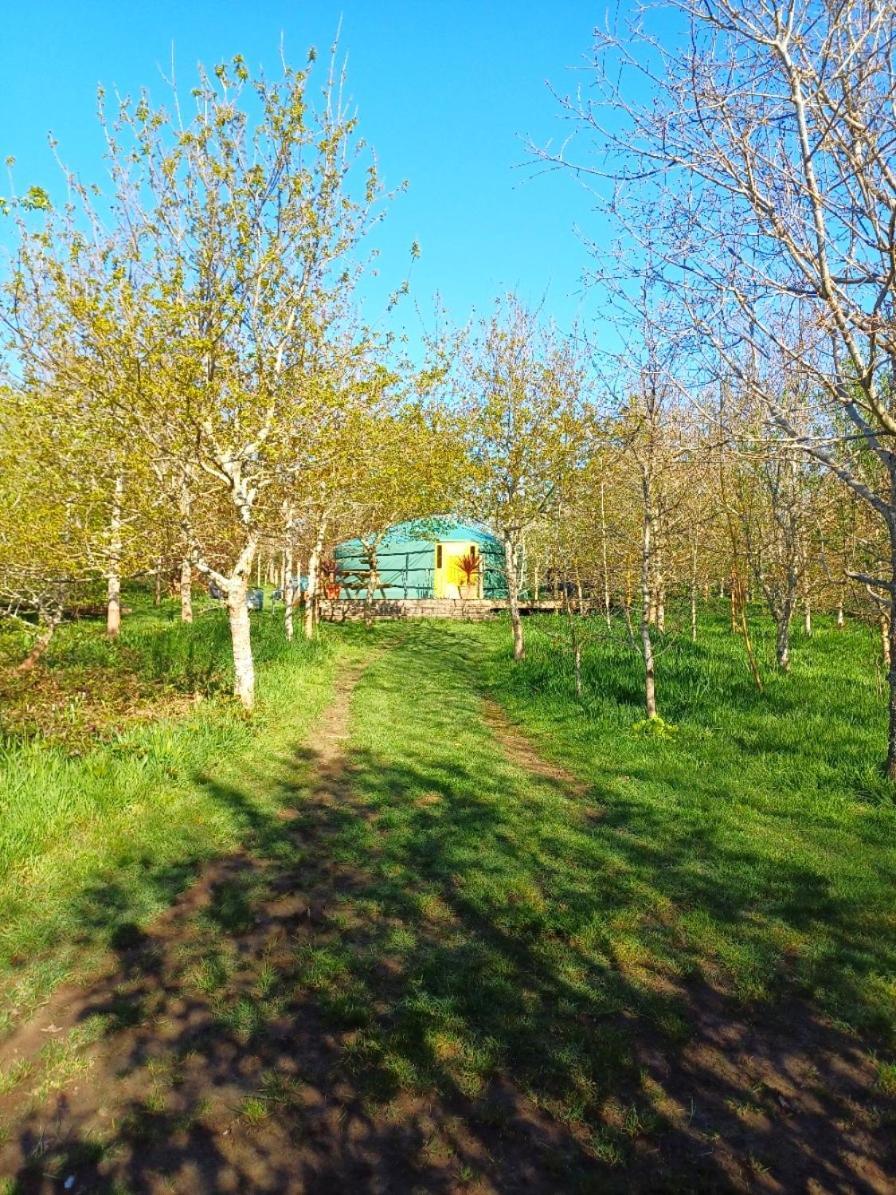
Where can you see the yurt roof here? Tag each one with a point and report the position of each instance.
(432, 529)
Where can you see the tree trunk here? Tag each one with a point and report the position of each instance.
(311, 597)
(47, 624)
(603, 547)
(782, 640)
(884, 624)
(113, 584)
(576, 642)
(310, 620)
(241, 640)
(807, 618)
(157, 585)
(891, 677)
(888, 624)
(739, 608)
(647, 607)
(186, 591)
(694, 591)
(511, 564)
(186, 568)
(289, 596)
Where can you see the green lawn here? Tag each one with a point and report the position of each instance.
(761, 827)
(471, 911)
(752, 848)
(101, 826)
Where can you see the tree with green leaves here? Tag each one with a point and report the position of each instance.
(525, 421)
(199, 308)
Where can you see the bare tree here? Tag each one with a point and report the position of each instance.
(764, 149)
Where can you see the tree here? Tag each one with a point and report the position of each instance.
(763, 154)
(775, 490)
(652, 440)
(53, 520)
(213, 303)
(524, 411)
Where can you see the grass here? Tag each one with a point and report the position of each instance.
(763, 824)
(481, 919)
(753, 849)
(96, 839)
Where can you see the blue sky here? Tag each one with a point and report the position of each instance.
(447, 94)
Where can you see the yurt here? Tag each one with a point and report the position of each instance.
(440, 557)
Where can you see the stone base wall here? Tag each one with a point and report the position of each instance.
(468, 609)
(356, 609)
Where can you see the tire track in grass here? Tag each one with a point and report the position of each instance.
(521, 752)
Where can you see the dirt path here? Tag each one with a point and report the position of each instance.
(69, 1005)
(196, 1065)
(520, 751)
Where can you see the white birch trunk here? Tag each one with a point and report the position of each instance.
(603, 546)
(694, 591)
(647, 603)
(186, 590)
(289, 597)
(241, 640)
(782, 641)
(511, 563)
(113, 582)
(310, 621)
(311, 596)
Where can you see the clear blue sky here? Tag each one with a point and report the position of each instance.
(446, 92)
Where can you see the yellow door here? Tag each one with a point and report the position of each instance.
(448, 575)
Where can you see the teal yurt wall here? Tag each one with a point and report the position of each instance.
(408, 554)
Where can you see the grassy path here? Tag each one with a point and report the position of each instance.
(437, 962)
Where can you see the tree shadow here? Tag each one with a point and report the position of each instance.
(413, 977)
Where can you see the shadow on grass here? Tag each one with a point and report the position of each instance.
(431, 974)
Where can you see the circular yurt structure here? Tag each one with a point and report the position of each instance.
(441, 558)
